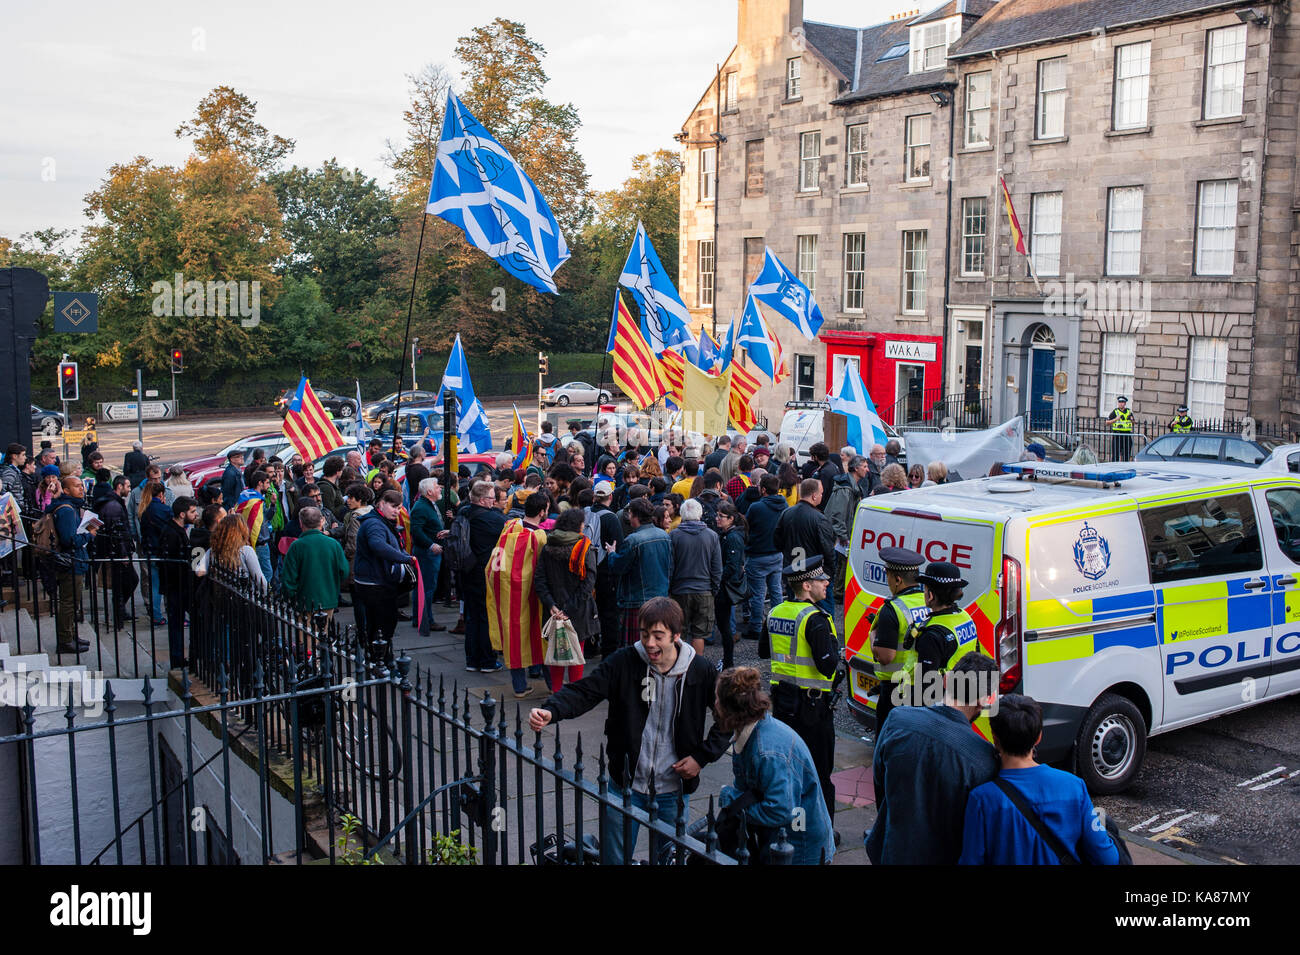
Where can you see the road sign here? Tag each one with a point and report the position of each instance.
(74, 437)
(76, 312)
(126, 411)
(151, 392)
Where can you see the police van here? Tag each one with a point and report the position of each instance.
(1128, 600)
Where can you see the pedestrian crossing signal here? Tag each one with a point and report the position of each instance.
(68, 386)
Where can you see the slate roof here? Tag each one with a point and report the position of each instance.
(969, 7)
(1013, 23)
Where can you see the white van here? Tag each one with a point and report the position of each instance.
(1126, 602)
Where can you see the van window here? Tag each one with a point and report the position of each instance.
(1284, 509)
(1209, 537)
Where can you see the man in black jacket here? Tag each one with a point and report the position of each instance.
(659, 691)
(485, 525)
(824, 467)
(114, 543)
(804, 532)
(175, 575)
(135, 463)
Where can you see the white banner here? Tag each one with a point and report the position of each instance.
(970, 453)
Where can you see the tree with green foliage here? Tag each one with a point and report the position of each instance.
(336, 221)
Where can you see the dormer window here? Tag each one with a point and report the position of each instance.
(930, 42)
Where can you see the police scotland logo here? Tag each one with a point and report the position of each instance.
(1091, 553)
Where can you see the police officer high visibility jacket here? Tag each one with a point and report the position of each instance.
(908, 608)
(1181, 425)
(1121, 420)
(952, 630)
(793, 659)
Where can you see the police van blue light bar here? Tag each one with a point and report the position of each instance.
(1068, 473)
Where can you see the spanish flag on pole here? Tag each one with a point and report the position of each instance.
(635, 369)
(1018, 234)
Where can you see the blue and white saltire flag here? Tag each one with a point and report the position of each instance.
(708, 357)
(364, 433)
(855, 404)
(481, 190)
(665, 320)
(727, 347)
(472, 432)
(780, 289)
(754, 336)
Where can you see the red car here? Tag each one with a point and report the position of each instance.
(202, 470)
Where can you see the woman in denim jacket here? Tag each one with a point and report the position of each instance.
(771, 761)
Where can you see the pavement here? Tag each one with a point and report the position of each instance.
(442, 655)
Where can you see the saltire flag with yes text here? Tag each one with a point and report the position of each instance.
(479, 188)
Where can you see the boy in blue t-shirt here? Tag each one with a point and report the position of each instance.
(997, 833)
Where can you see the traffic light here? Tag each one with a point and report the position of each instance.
(419, 353)
(543, 364)
(178, 365)
(68, 387)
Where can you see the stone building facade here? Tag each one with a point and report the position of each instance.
(1148, 147)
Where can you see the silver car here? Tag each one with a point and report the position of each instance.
(574, 393)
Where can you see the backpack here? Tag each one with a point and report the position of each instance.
(457, 552)
(591, 531)
(45, 539)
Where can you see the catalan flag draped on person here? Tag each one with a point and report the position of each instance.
(635, 369)
(514, 612)
(308, 426)
(251, 508)
(520, 443)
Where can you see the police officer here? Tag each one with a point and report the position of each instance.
(941, 639)
(889, 629)
(800, 639)
(1121, 429)
(1182, 423)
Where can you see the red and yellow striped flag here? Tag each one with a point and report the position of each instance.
(308, 427)
(1017, 234)
(744, 385)
(672, 367)
(514, 612)
(635, 368)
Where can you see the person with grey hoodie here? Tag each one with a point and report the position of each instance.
(659, 692)
(697, 573)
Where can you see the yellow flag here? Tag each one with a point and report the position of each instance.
(704, 400)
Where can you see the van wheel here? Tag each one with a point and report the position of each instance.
(1111, 744)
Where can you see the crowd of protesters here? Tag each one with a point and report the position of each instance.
(647, 554)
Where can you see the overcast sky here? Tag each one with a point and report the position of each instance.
(89, 84)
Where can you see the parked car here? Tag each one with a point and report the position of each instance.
(576, 393)
(1209, 447)
(411, 425)
(377, 409)
(337, 405)
(47, 422)
(478, 464)
(201, 470)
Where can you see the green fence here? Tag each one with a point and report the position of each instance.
(503, 376)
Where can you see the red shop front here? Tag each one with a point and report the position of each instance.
(902, 373)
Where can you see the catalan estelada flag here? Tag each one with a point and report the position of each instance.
(514, 612)
(635, 369)
(521, 444)
(744, 385)
(308, 427)
(672, 368)
(1017, 234)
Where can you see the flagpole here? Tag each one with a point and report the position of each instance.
(406, 338)
(604, 358)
